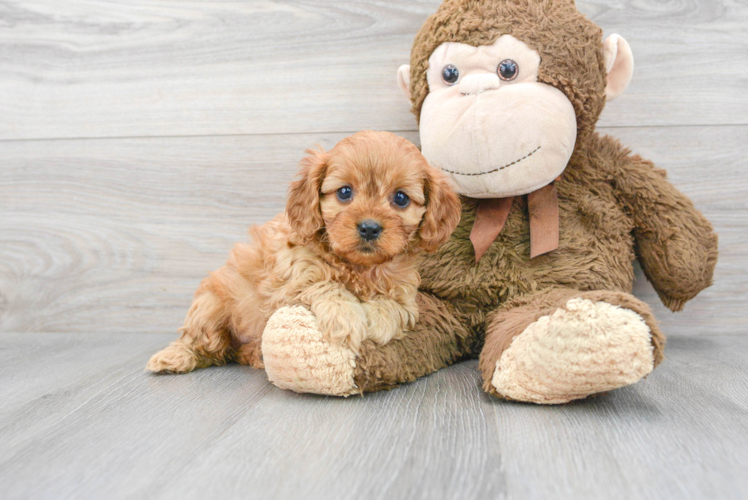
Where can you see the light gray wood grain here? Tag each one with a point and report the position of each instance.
(111, 236)
(107, 236)
(114, 235)
(80, 420)
(96, 68)
(671, 436)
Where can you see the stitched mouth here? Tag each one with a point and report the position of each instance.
(496, 169)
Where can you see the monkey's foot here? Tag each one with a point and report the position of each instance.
(297, 357)
(581, 349)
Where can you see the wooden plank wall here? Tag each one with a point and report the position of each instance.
(139, 138)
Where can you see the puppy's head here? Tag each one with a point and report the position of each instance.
(373, 196)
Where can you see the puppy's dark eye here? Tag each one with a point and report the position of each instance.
(450, 74)
(508, 70)
(345, 193)
(401, 199)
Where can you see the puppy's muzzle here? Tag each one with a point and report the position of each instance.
(369, 230)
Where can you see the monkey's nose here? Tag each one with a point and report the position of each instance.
(369, 230)
(475, 84)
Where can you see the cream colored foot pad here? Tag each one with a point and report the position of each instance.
(298, 358)
(587, 348)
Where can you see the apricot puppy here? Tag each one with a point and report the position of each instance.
(346, 247)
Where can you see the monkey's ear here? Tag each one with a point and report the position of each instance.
(403, 79)
(302, 209)
(619, 63)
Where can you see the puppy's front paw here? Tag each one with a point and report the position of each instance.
(384, 323)
(177, 358)
(341, 323)
(388, 320)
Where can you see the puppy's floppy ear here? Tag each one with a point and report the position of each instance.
(443, 210)
(302, 209)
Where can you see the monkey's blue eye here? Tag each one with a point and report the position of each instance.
(401, 199)
(450, 74)
(345, 193)
(508, 70)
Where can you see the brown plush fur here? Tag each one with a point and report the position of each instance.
(614, 207)
(313, 255)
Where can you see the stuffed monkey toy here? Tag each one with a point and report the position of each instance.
(536, 279)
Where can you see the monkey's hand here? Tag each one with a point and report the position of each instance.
(388, 319)
(676, 245)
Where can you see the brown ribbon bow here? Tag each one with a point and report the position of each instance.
(493, 213)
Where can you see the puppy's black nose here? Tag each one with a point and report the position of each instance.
(369, 230)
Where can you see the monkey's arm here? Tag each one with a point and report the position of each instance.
(675, 243)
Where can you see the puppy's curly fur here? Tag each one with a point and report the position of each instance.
(316, 254)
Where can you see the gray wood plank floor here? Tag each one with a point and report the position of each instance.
(80, 420)
(140, 138)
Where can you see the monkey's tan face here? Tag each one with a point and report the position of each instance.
(490, 124)
(372, 202)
